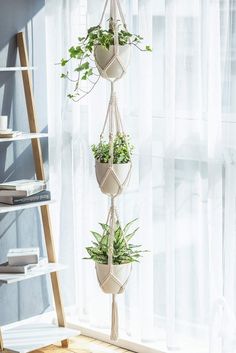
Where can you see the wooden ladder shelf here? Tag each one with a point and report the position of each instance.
(40, 174)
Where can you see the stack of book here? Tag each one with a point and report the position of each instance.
(23, 191)
(8, 133)
(23, 260)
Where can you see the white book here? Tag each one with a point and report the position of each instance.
(6, 268)
(34, 189)
(23, 256)
(9, 134)
(22, 184)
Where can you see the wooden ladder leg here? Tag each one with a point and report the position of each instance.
(1, 341)
(39, 169)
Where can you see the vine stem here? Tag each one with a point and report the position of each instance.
(138, 47)
(94, 84)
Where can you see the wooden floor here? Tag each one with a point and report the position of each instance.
(83, 344)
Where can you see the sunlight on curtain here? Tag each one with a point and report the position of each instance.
(178, 106)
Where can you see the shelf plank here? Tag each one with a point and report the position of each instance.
(8, 278)
(29, 337)
(17, 68)
(11, 208)
(24, 136)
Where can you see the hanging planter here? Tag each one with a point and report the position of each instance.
(113, 176)
(115, 283)
(111, 66)
(101, 52)
(113, 255)
(113, 276)
(113, 157)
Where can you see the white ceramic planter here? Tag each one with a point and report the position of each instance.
(113, 283)
(111, 185)
(103, 56)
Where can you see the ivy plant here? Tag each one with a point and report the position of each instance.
(82, 55)
(122, 150)
(123, 251)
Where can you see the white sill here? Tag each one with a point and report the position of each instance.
(188, 345)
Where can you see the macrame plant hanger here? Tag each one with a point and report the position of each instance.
(113, 23)
(110, 283)
(115, 126)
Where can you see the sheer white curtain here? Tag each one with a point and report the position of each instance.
(178, 106)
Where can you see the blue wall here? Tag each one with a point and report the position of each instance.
(23, 228)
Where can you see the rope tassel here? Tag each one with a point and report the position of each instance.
(114, 320)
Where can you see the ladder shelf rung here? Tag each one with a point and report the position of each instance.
(17, 68)
(8, 278)
(24, 338)
(4, 208)
(24, 136)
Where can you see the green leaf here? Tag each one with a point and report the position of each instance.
(130, 236)
(64, 62)
(76, 52)
(97, 236)
(84, 66)
(90, 72)
(126, 228)
(91, 29)
(105, 240)
(105, 226)
(148, 48)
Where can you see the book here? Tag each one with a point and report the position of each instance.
(23, 256)
(11, 199)
(22, 184)
(36, 189)
(6, 268)
(9, 134)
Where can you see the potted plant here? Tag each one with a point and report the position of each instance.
(124, 254)
(97, 46)
(113, 178)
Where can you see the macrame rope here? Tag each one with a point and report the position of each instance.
(112, 234)
(116, 29)
(113, 120)
(114, 4)
(115, 9)
(115, 126)
(121, 14)
(114, 320)
(111, 280)
(103, 12)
